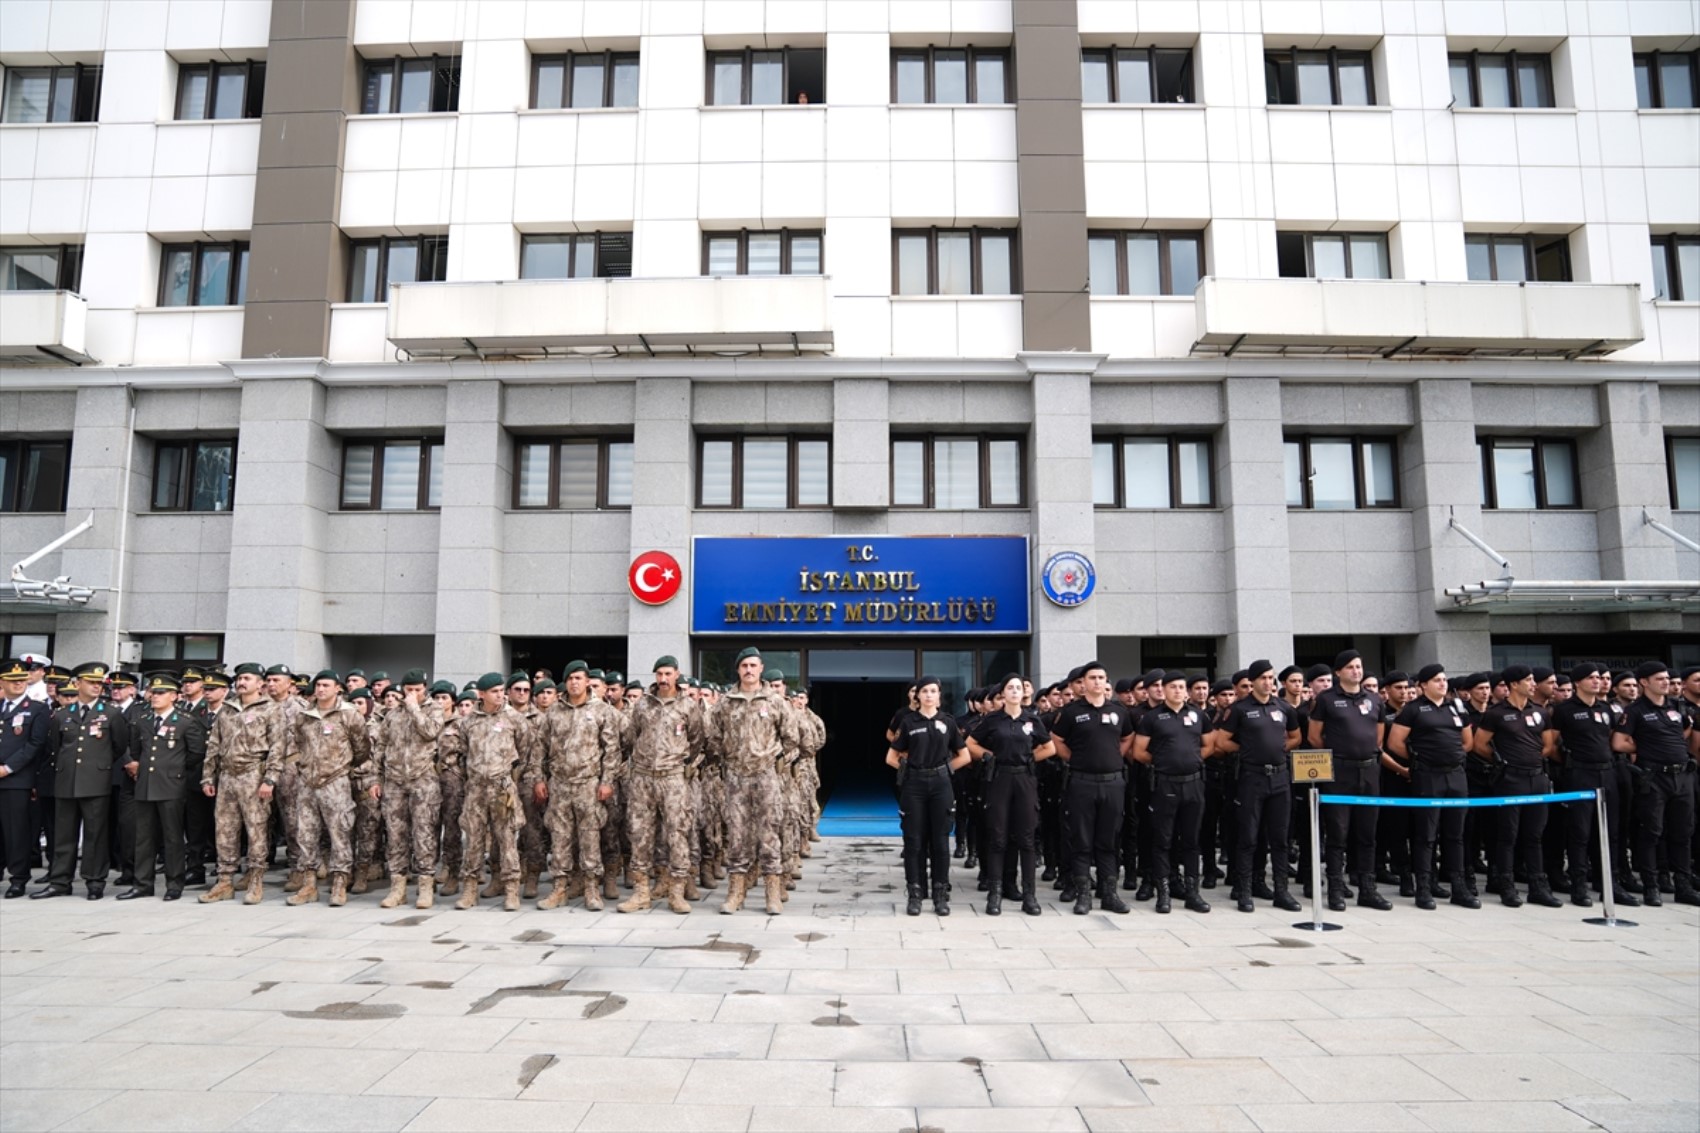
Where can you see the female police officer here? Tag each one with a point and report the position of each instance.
(930, 747)
(1012, 738)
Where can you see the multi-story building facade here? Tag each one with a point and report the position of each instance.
(385, 330)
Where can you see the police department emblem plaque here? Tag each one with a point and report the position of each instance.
(1068, 578)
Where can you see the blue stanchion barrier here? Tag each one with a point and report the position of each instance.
(1498, 800)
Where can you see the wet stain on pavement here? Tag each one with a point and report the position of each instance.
(811, 937)
(533, 1066)
(432, 985)
(836, 1021)
(406, 922)
(265, 986)
(605, 1003)
(351, 1011)
(533, 936)
(750, 953)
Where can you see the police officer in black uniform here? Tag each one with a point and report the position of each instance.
(1093, 734)
(1346, 719)
(1657, 734)
(1141, 778)
(169, 741)
(1519, 732)
(1262, 729)
(1433, 733)
(1009, 740)
(1585, 723)
(24, 725)
(929, 746)
(1171, 738)
(1052, 777)
(88, 737)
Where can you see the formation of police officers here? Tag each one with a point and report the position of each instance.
(1162, 782)
(678, 785)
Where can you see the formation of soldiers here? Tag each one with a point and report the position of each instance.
(1169, 784)
(676, 786)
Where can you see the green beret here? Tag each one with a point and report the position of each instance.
(747, 652)
(544, 685)
(574, 667)
(441, 688)
(250, 667)
(489, 681)
(380, 675)
(597, 675)
(413, 677)
(465, 696)
(615, 677)
(357, 673)
(772, 675)
(361, 693)
(666, 661)
(326, 675)
(279, 671)
(519, 679)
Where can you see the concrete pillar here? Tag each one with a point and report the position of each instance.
(1250, 468)
(477, 475)
(861, 444)
(1060, 455)
(1439, 478)
(98, 482)
(663, 476)
(1623, 473)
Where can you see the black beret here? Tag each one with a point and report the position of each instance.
(1126, 684)
(1541, 673)
(1346, 657)
(1397, 676)
(1090, 665)
(1154, 677)
(1316, 671)
(1585, 670)
(1620, 676)
(1564, 679)
(1691, 671)
(1511, 674)
(1241, 675)
(1172, 676)
(1198, 679)
(1220, 686)
(1257, 669)
(1428, 672)
(1074, 674)
(1474, 680)
(1289, 671)
(1642, 671)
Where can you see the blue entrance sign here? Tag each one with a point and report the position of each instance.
(837, 585)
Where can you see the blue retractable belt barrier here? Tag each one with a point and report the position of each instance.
(1498, 800)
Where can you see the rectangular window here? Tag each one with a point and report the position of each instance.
(1152, 472)
(197, 475)
(1664, 80)
(1676, 268)
(958, 473)
(1144, 263)
(766, 77)
(220, 90)
(41, 267)
(574, 473)
(1332, 255)
(392, 474)
(34, 474)
(949, 75)
(764, 472)
(1514, 259)
(203, 275)
(375, 264)
(1509, 80)
(1684, 464)
(51, 94)
(1341, 473)
(584, 255)
(584, 80)
(953, 261)
(405, 85)
(1325, 77)
(178, 650)
(785, 252)
(1136, 74)
(1525, 473)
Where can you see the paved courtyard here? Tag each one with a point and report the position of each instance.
(842, 1014)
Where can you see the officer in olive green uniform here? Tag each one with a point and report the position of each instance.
(88, 737)
(170, 742)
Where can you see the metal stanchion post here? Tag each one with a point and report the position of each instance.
(1608, 884)
(1316, 923)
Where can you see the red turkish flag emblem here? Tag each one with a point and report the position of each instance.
(655, 578)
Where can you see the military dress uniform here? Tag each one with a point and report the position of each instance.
(24, 727)
(121, 828)
(88, 739)
(167, 745)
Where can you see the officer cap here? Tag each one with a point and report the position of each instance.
(414, 677)
(1154, 677)
(302, 680)
(442, 687)
(1220, 686)
(279, 671)
(122, 679)
(1125, 684)
(36, 661)
(361, 673)
(192, 674)
(1396, 677)
(1241, 675)
(1585, 670)
(249, 667)
(12, 669)
(1541, 673)
(615, 677)
(361, 693)
(665, 661)
(1474, 680)
(380, 675)
(1172, 676)
(746, 653)
(489, 681)
(1514, 673)
(218, 678)
(1258, 668)
(92, 671)
(162, 682)
(1346, 657)
(597, 675)
(544, 685)
(1318, 670)
(772, 675)
(1289, 671)
(1428, 672)
(1642, 671)
(326, 675)
(575, 667)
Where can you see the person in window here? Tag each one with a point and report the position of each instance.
(928, 747)
(1011, 740)
(1432, 733)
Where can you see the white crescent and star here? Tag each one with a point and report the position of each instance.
(647, 588)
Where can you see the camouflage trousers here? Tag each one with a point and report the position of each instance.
(792, 832)
(659, 804)
(614, 825)
(453, 789)
(575, 829)
(287, 798)
(237, 807)
(369, 823)
(491, 814)
(533, 838)
(411, 811)
(754, 814)
(811, 790)
(710, 800)
(324, 811)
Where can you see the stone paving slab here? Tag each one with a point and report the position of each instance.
(843, 1014)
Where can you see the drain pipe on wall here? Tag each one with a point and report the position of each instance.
(123, 526)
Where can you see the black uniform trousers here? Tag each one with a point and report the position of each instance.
(1444, 825)
(1351, 828)
(1012, 817)
(966, 783)
(89, 818)
(198, 821)
(1478, 824)
(926, 806)
(1393, 825)
(160, 823)
(1052, 776)
(1521, 827)
(1177, 811)
(1136, 834)
(1092, 811)
(42, 826)
(121, 833)
(1664, 816)
(1217, 830)
(1579, 826)
(17, 833)
(1264, 799)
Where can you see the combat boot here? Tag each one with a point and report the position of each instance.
(468, 893)
(1540, 893)
(1508, 895)
(510, 896)
(1424, 893)
(593, 897)
(1082, 896)
(1162, 894)
(775, 894)
(1242, 899)
(1579, 887)
(1650, 890)
(705, 875)
(1336, 892)
(1194, 902)
(339, 889)
(557, 894)
(363, 882)
(689, 882)
(427, 891)
(323, 872)
(610, 887)
(640, 900)
(1368, 898)
(1685, 892)
(494, 889)
(1109, 900)
(292, 882)
(443, 875)
(1462, 896)
(736, 885)
(1284, 898)
(256, 887)
(676, 896)
(528, 884)
(397, 893)
(941, 900)
(575, 884)
(912, 907)
(308, 893)
(222, 891)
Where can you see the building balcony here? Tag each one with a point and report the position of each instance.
(1422, 317)
(542, 317)
(43, 328)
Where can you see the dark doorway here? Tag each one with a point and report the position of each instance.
(856, 785)
(532, 653)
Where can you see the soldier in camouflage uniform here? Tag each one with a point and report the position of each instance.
(243, 764)
(409, 790)
(754, 732)
(667, 739)
(811, 738)
(451, 780)
(533, 851)
(790, 791)
(710, 798)
(497, 747)
(280, 687)
(368, 810)
(328, 743)
(614, 858)
(580, 742)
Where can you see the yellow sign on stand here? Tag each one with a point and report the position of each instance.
(1313, 766)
